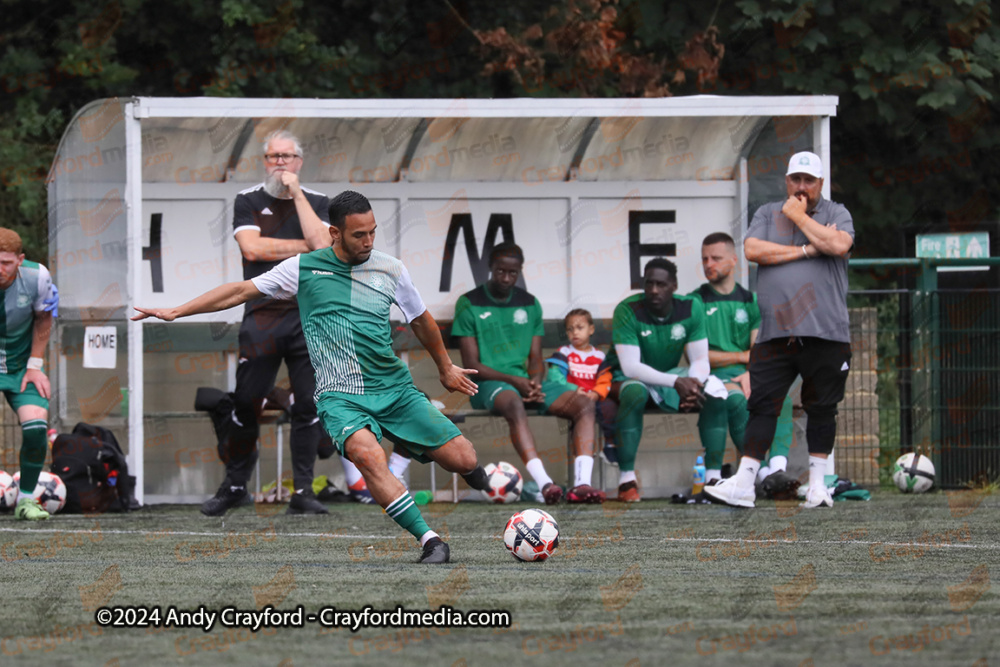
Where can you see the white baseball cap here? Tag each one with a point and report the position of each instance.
(805, 163)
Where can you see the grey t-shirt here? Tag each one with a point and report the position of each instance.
(807, 297)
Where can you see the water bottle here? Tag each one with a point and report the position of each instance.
(698, 476)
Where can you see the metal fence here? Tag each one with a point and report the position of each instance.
(925, 375)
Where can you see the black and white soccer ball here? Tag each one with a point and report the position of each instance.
(50, 492)
(531, 535)
(504, 483)
(913, 473)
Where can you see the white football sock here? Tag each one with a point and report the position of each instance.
(817, 472)
(537, 471)
(626, 476)
(712, 473)
(584, 468)
(747, 473)
(351, 472)
(778, 463)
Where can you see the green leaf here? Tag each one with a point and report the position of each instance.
(978, 90)
(937, 99)
(856, 26)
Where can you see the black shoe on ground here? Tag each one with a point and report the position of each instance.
(435, 551)
(225, 499)
(304, 502)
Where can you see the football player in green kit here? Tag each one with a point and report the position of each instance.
(24, 335)
(499, 328)
(363, 390)
(650, 332)
(732, 319)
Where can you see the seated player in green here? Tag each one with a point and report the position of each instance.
(732, 319)
(650, 332)
(499, 327)
(26, 287)
(363, 390)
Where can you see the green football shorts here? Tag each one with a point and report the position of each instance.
(665, 398)
(406, 417)
(10, 385)
(555, 385)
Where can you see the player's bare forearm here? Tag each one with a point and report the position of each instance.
(426, 330)
(222, 297)
(537, 370)
(41, 330)
(454, 378)
(720, 359)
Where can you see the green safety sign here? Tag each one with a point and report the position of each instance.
(962, 246)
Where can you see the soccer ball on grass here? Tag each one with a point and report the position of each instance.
(50, 492)
(913, 473)
(531, 535)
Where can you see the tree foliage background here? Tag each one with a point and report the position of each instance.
(914, 142)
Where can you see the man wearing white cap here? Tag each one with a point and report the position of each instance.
(801, 246)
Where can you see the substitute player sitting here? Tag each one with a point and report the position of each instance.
(25, 287)
(499, 327)
(732, 320)
(650, 332)
(362, 389)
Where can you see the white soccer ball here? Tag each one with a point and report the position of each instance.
(504, 483)
(913, 473)
(50, 492)
(8, 491)
(531, 535)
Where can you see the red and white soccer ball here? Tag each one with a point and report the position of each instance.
(50, 492)
(504, 483)
(531, 535)
(8, 491)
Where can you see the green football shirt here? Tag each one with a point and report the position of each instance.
(729, 319)
(661, 342)
(25, 296)
(503, 329)
(345, 317)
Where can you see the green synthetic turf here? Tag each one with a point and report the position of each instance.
(651, 584)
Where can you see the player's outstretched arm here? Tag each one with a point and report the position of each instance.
(222, 297)
(454, 378)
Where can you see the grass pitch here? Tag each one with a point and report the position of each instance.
(898, 580)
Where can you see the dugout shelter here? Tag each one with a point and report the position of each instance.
(140, 212)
